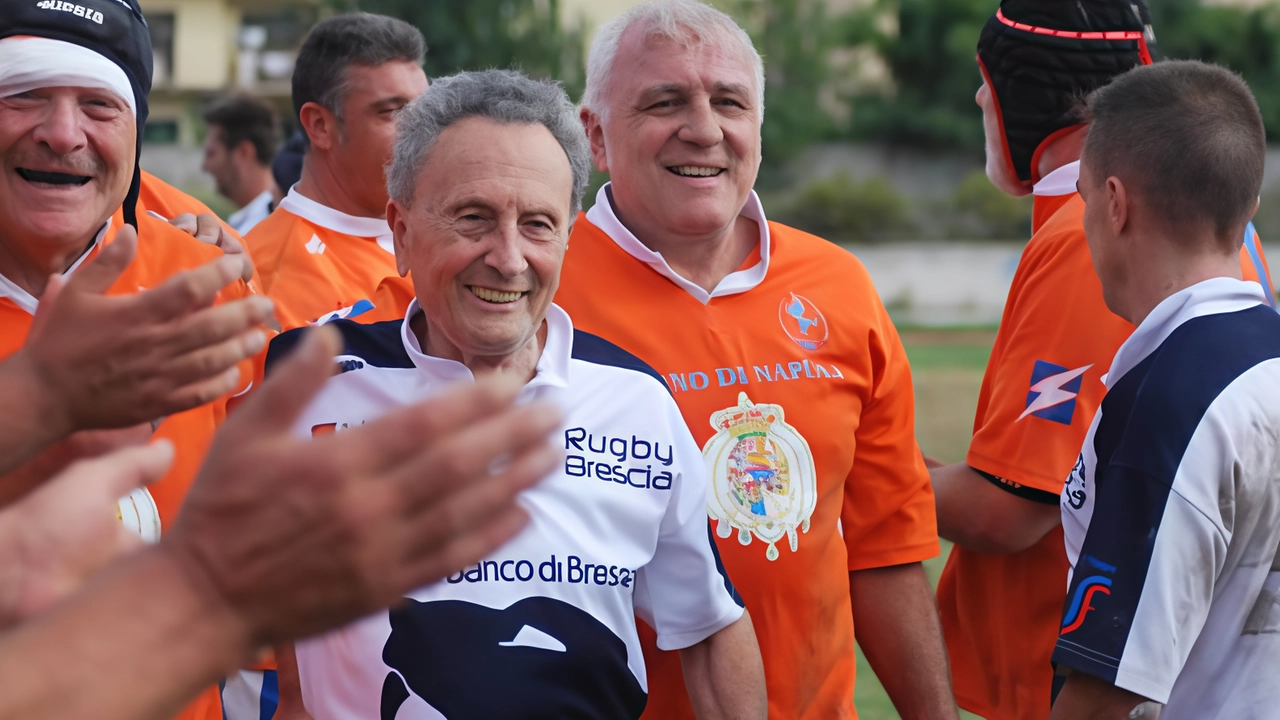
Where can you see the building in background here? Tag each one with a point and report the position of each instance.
(204, 49)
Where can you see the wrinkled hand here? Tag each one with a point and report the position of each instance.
(67, 529)
(207, 228)
(115, 361)
(77, 446)
(293, 536)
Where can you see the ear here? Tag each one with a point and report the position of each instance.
(246, 153)
(1256, 204)
(1118, 209)
(320, 125)
(399, 235)
(595, 136)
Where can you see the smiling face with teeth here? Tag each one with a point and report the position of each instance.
(485, 237)
(66, 156)
(680, 137)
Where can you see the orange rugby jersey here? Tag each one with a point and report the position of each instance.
(317, 264)
(794, 381)
(1000, 613)
(163, 251)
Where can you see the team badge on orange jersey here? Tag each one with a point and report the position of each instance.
(803, 322)
(763, 480)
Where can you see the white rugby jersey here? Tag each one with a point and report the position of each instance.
(545, 626)
(1172, 513)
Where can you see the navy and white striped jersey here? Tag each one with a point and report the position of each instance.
(545, 626)
(1172, 513)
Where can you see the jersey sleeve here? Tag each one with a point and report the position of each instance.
(683, 593)
(1135, 607)
(1043, 382)
(888, 516)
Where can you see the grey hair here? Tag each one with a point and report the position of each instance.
(504, 96)
(687, 22)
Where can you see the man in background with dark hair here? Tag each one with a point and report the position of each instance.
(1172, 513)
(327, 252)
(238, 150)
(1001, 592)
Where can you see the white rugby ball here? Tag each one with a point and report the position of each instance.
(138, 512)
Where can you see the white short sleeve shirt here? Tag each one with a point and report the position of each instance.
(1172, 514)
(546, 624)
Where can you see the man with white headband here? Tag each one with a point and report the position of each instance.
(73, 100)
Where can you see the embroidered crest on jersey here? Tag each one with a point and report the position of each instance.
(803, 322)
(763, 480)
(1053, 392)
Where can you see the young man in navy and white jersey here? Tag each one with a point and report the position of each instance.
(486, 178)
(1172, 513)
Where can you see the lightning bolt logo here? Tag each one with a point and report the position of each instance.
(1053, 392)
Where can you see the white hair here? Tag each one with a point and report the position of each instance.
(504, 96)
(687, 22)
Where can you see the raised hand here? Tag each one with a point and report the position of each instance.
(97, 361)
(67, 529)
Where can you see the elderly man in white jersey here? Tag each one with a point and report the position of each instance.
(783, 361)
(486, 179)
(1172, 513)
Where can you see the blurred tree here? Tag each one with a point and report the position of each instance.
(1245, 40)
(930, 51)
(477, 34)
(796, 39)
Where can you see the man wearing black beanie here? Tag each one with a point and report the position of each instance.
(74, 79)
(1001, 595)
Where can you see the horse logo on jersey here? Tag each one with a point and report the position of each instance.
(763, 481)
(803, 322)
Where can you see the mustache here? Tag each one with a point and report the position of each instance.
(81, 162)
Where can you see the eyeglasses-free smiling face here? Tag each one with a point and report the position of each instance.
(67, 156)
(681, 133)
(485, 237)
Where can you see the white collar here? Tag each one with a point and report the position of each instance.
(326, 217)
(1208, 297)
(24, 299)
(553, 364)
(1061, 181)
(602, 216)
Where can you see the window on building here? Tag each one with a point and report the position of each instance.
(160, 132)
(161, 25)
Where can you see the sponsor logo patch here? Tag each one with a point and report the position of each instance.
(1053, 392)
(803, 322)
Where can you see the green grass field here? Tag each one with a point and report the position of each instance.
(947, 367)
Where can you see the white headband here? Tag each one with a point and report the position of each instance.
(28, 63)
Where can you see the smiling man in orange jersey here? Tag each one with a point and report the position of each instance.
(782, 359)
(326, 251)
(70, 125)
(1001, 594)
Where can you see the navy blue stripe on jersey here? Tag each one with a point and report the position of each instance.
(724, 575)
(378, 344)
(1147, 421)
(595, 349)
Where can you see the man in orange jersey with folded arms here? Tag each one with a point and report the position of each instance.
(782, 359)
(326, 252)
(1002, 592)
